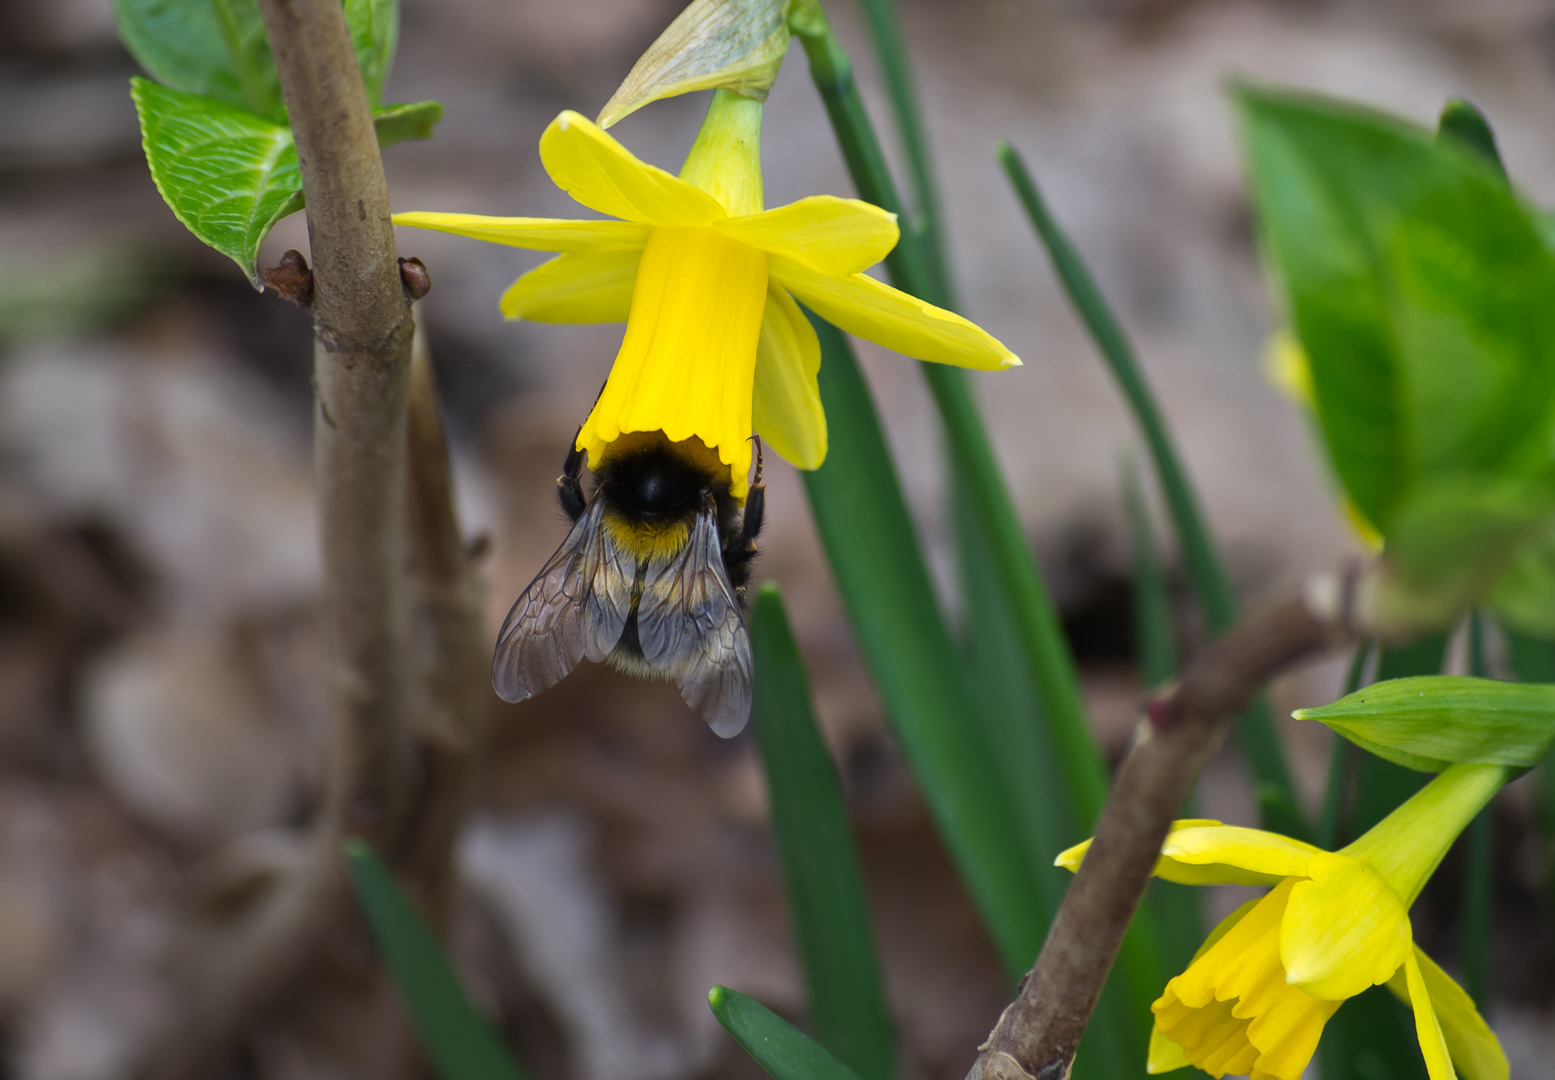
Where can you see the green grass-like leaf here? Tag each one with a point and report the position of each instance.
(1206, 571)
(460, 1043)
(227, 174)
(784, 1051)
(810, 822)
(872, 547)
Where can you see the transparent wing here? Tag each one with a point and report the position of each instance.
(575, 607)
(689, 624)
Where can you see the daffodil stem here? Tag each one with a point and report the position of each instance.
(363, 331)
(1037, 1035)
(1040, 635)
(1479, 869)
(885, 29)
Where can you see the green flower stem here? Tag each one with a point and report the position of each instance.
(886, 31)
(1205, 570)
(781, 1049)
(1039, 633)
(1154, 640)
(810, 823)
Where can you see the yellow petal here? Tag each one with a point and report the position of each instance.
(787, 410)
(1473, 1047)
(1205, 852)
(1164, 1055)
(1438, 1062)
(537, 234)
(588, 288)
(1345, 929)
(863, 306)
(604, 175)
(687, 365)
(1232, 855)
(1233, 1012)
(1071, 858)
(827, 234)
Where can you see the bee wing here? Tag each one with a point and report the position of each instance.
(689, 623)
(575, 607)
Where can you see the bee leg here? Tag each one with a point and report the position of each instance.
(569, 491)
(741, 551)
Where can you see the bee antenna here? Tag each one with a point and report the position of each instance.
(757, 440)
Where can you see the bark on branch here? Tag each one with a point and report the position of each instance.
(395, 698)
(1037, 1035)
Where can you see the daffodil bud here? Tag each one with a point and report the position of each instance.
(1432, 721)
(735, 45)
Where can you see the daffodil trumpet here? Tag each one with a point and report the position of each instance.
(1257, 994)
(716, 348)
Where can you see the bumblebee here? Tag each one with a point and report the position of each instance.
(651, 579)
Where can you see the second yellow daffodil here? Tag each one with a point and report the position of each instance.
(705, 279)
(1255, 998)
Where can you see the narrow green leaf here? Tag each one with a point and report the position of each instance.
(1419, 287)
(872, 547)
(400, 123)
(1154, 637)
(461, 1045)
(1461, 120)
(180, 43)
(810, 822)
(248, 50)
(227, 174)
(784, 1051)
(1211, 585)
(375, 33)
(975, 478)
(1429, 722)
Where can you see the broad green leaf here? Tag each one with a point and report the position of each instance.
(227, 174)
(810, 822)
(460, 1043)
(180, 43)
(375, 33)
(1429, 722)
(1525, 595)
(1418, 285)
(249, 53)
(784, 1051)
(400, 123)
(1456, 535)
(872, 547)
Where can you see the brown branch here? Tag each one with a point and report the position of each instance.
(452, 684)
(1037, 1035)
(362, 344)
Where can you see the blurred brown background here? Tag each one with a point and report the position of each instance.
(161, 676)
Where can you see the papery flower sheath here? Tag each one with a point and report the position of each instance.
(1257, 994)
(705, 279)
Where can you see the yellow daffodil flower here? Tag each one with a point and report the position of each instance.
(1257, 994)
(705, 279)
